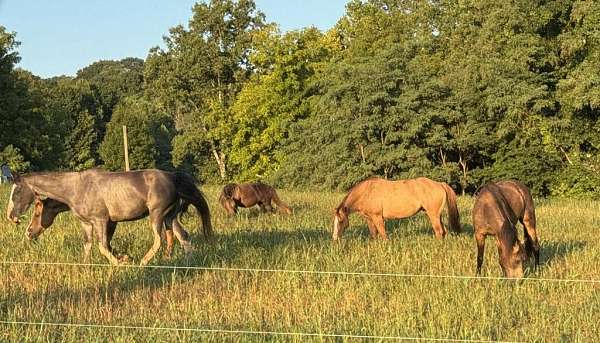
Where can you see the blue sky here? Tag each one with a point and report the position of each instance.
(59, 37)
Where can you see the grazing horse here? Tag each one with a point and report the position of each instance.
(100, 199)
(46, 210)
(377, 199)
(521, 203)
(250, 194)
(493, 216)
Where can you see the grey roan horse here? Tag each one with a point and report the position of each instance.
(99, 199)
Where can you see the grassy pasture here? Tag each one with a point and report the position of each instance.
(477, 309)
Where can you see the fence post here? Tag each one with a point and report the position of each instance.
(126, 148)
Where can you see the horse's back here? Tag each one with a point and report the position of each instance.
(394, 199)
(128, 195)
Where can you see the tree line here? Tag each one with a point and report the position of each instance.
(460, 91)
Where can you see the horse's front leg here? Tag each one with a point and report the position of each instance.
(372, 228)
(532, 245)
(101, 228)
(379, 223)
(88, 231)
(111, 227)
(157, 222)
(480, 250)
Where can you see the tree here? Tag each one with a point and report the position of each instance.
(198, 76)
(21, 125)
(273, 98)
(149, 133)
(113, 81)
(77, 102)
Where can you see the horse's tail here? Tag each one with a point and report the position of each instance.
(280, 204)
(185, 186)
(453, 215)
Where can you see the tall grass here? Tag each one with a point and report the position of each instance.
(359, 305)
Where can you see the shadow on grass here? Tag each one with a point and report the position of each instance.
(551, 251)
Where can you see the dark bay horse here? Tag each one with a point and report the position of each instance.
(377, 199)
(99, 199)
(46, 210)
(521, 203)
(493, 216)
(251, 194)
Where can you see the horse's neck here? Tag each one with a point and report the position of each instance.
(57, 186)
(507, 238)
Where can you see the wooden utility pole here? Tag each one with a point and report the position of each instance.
(125, 147)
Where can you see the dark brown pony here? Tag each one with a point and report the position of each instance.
(377, 199)
(46, 210)
(521, 203)
(493, 215)
(251, 194)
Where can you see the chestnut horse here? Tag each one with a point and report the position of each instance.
(251, 194)
(377, 199)
(492, 216)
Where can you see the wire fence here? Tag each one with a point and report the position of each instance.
(247, 332)
(307, 272)
(269, 270)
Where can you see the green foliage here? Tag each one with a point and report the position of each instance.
(273, 99)
(14, 159)
(149, 133)
(77, 103)
(580, 180)
(198, 76)
(113, 81)
(462, 91)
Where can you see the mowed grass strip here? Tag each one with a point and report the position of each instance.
(330, 304)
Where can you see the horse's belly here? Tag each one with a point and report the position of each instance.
(399, 211)
(126, 213)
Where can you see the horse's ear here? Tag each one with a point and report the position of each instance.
(16, 177)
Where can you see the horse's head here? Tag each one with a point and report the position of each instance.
(513, 260)
(44, 213)
(21, 196)
(340, 222)
(227, 203)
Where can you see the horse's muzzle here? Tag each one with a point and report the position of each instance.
(32, 236)
(15, 220)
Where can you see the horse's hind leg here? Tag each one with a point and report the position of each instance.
(88, 231)
(480, 239)
(156, 221)
(436, 222)
(269, 206)
(168, 233)
(182, 236)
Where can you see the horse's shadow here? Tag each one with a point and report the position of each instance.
(552, 251)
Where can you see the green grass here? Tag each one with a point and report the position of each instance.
(356, 305)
